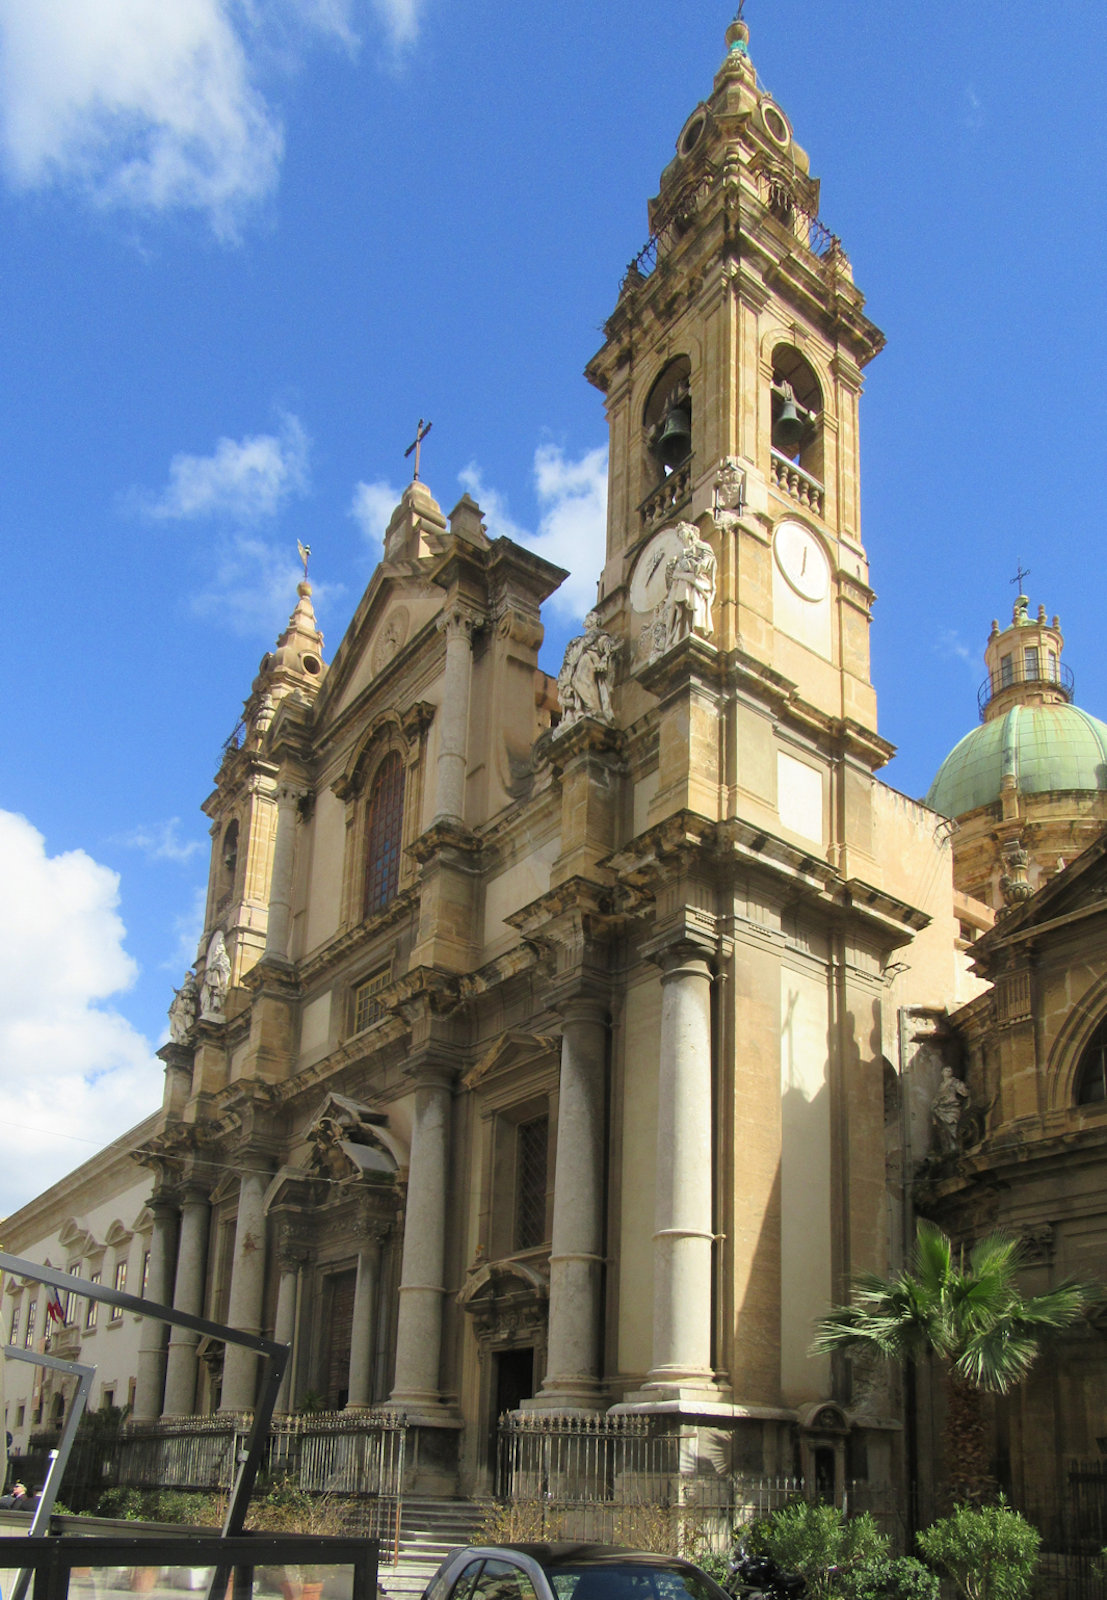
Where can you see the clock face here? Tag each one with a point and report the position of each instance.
(647, 584)
(799, 555)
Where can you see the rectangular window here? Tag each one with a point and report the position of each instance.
(367, 1008)
(145, 1273)
(32, 1312)
(69, 1305)
(531, 1145)
(107, 1399)
(121, 1277)
(20, 1413)
(1006, 671)
(1053, 673)
(92, 1310)
(13, 1329)
(1030, 659)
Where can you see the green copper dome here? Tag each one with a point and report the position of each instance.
(1048, 749)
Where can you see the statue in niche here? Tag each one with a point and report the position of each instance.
(182, 1011)
(730, 493)
(948, 1108)
(217, 977)
(583, 684)
(690, 588)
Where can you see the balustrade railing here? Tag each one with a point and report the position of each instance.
(673, 492)
(791, 480)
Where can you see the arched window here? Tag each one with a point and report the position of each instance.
(1091, 1074)
(384, 833)
(230, 850)
(797, 406)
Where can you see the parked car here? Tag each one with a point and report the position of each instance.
(567, 1572)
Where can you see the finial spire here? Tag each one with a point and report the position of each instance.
(738, 34)
(304, 553)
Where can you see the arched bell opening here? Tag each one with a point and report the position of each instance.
(667, 423)
(797, 413)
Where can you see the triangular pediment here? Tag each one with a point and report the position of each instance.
(511, 1050)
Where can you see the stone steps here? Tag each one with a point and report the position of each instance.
(429, 1530)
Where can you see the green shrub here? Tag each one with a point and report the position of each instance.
(902, 1578)
(990, 1552)
(808, 1537)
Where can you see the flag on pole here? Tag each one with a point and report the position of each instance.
(55, 1311)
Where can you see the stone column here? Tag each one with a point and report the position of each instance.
(291, 1260)
(150, 1375)
(188, 1296)
(363, 1331)
(247, 1291)
(422, 1286)
(683, 1234)
(575, 1359)
(280, 885)
(453, 728)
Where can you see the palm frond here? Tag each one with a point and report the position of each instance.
(933, 1256)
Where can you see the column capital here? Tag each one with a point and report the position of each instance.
(693, 935)
(459, 620)
(586, 1007)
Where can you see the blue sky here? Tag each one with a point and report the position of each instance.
(247, 246)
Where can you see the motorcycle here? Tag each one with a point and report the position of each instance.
(751, 1577)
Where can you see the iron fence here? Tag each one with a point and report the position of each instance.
(1073, 1526)
(610, 1478)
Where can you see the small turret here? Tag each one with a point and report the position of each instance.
(1024, 664)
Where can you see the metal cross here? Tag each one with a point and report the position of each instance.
(1021, 573)
(741, 8)
(305, 552)
(420, 434)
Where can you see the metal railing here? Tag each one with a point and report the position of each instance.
(1053, 675)
(603, 1478)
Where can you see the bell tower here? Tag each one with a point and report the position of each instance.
(732, 373)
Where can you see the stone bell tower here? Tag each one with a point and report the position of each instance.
(765, 866)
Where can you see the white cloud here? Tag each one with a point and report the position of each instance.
(401, 18)
(243, 479)
(372, 508)
(71, 1068)
(187, 926)
(572, 526)
(156, 105)
(161, 841)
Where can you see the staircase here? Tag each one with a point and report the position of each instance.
(429, 1530)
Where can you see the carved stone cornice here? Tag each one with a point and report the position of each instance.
(691, 659)
(586, 736)
(446, 835)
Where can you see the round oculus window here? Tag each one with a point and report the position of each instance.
(693, 133)
(776, 124)
(310, 664)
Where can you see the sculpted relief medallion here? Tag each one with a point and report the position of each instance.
(391, 638)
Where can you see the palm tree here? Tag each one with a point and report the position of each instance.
(970, 1316)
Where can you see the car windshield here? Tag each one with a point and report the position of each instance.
(613, 1580)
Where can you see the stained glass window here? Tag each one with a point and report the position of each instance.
(384, 828)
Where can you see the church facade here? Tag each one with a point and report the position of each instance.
(546, 1048)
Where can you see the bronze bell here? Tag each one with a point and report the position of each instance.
(674, 440)
(789, 427)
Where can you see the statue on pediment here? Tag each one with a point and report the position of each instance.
(217, 978)
(583, 684)
(182, 1011)
(689, 588)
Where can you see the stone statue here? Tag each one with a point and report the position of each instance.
(690, 580)
(730, 492)
(217, 977)
(583, 684)
(182, 1011)
(947, 1108)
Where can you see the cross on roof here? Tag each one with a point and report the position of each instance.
(420, 434)
(1020, 575)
